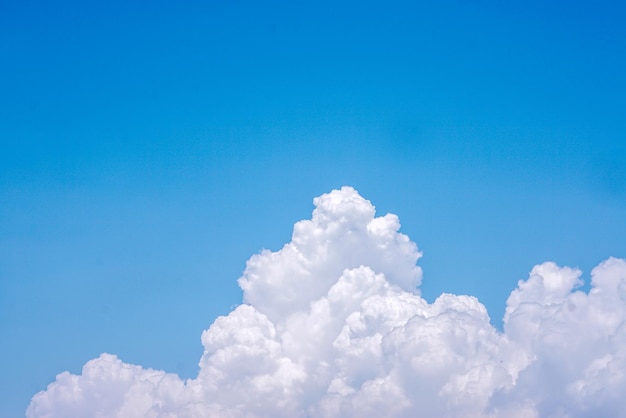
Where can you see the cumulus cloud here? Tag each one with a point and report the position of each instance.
(333, 325)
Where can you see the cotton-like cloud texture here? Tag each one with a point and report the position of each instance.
(333, 325)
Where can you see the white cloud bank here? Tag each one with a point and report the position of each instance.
(333, 325)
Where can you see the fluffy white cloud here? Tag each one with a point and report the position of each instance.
(333, 326)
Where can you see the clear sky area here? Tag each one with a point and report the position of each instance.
(149, 149)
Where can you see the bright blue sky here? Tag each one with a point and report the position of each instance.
(147, 150)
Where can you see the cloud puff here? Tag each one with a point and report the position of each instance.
(333, 325)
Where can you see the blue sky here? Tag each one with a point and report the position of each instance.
(149, 149)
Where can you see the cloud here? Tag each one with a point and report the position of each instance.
(333, 325)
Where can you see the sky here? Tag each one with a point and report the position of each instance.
(150, 149)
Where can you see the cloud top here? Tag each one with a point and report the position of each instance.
(343, 233)
(333, 325)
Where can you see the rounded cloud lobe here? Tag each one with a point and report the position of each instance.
(333, 325)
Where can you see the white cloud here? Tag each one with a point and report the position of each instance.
(333, 325)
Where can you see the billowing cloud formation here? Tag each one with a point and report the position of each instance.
(333, 326)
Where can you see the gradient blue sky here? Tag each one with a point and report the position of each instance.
(148, 149)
